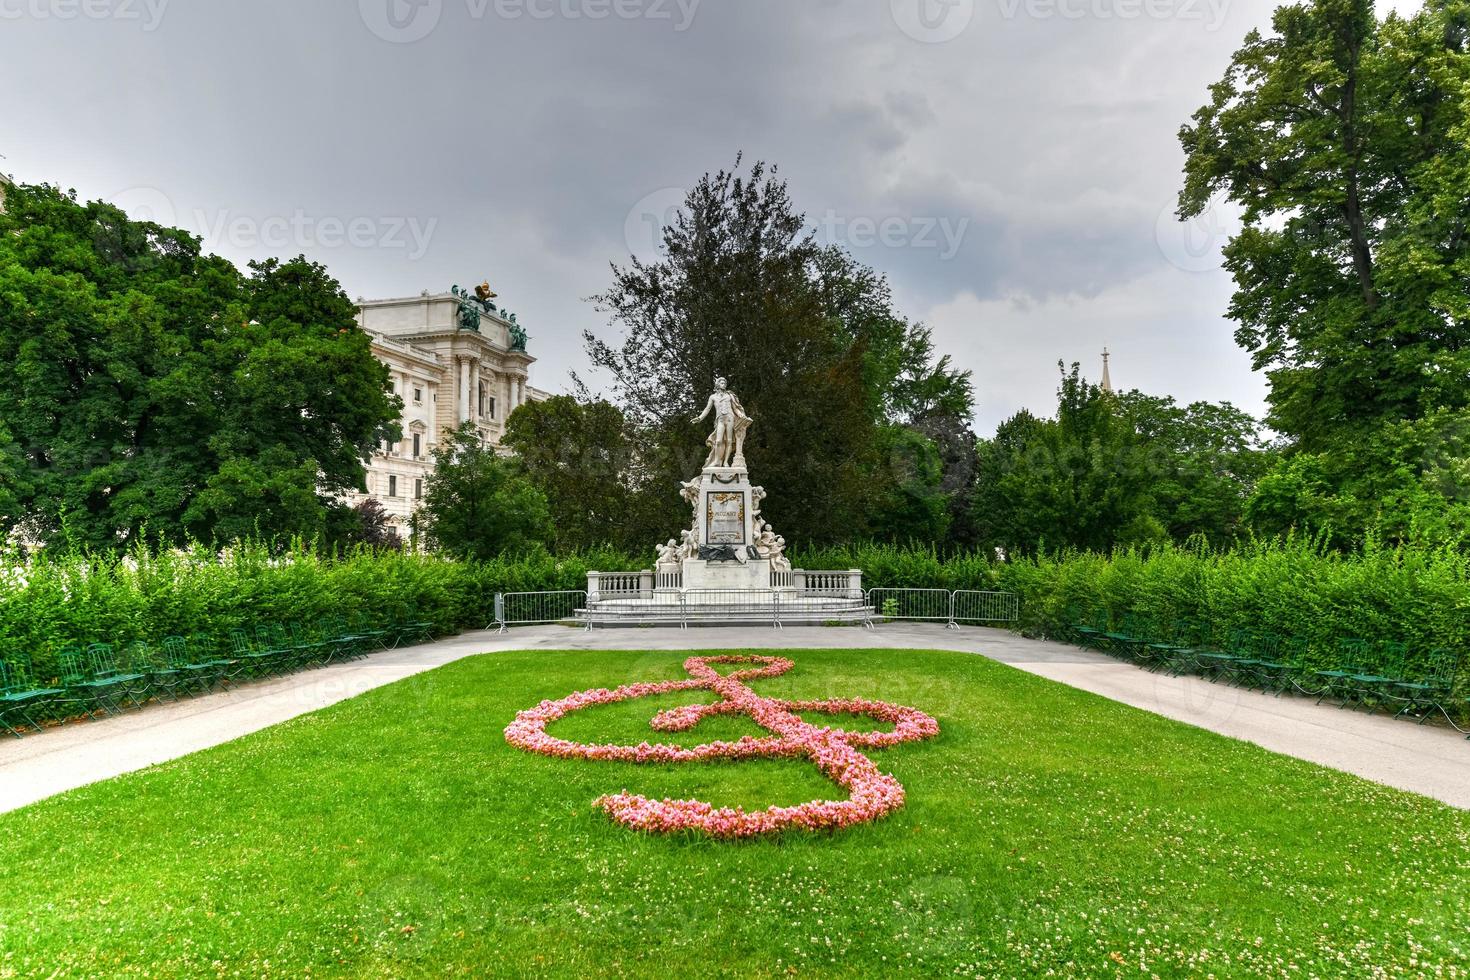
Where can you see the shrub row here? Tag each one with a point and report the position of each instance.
(51, 602)
(1417, 595)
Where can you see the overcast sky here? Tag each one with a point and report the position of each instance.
(1011, 165)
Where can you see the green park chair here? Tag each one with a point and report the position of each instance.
(1382, 668)
(312, 648)
(252, 659)
(1223, 663)
(1431, 686)
(407, 629)
(194, 668)
(21, 699)
(162, 680)
(1352, 653)
(1124, 639)
(1169, 643)
(207, 648)
(343, 643)
(1086, 625)
(93, 680)
(372, 636)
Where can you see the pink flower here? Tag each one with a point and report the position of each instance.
(871, 794)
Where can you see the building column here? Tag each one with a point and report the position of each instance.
(464, 389)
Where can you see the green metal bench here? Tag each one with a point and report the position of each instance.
(20, 696)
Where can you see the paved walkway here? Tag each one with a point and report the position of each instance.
(1423, 759)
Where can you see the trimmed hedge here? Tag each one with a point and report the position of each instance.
(55, 601)
(1420, 596)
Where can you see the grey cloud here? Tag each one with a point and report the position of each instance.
(1027, 158)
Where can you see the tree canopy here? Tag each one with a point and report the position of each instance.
(1345, 140)
(149, 388)
(808, 338)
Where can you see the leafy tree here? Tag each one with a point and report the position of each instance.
(146, 385)
(581, 456)
(1202, 460)
(479, 504)
(805, 335)
(1344, 140)
(370, 527)
(1115, 469)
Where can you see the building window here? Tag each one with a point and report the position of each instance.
(481, 399)
(416, 445)
(418, 396)
(492, 407)
(418, 489)
(392, 486)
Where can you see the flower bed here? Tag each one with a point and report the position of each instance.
(872, 794)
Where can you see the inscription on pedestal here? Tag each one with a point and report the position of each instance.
(725, 518)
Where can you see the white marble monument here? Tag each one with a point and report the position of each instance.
(727, 544)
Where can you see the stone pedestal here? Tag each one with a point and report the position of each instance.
(755, 574)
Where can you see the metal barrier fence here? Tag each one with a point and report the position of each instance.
(740, 605)
(924, 605)
(753, 606)
(526, 608)
(968, 606)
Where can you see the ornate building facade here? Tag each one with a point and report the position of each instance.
(454, 357)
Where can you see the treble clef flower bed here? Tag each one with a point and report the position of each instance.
(872, 794)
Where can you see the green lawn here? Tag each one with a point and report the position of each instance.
(1046, 830)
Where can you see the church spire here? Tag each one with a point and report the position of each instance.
(1107, 380)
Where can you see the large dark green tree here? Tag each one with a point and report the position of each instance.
(582, 456)
(150, 388)
(806, 336)
(1113, 469)
(1346, 141)
(479, 504)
